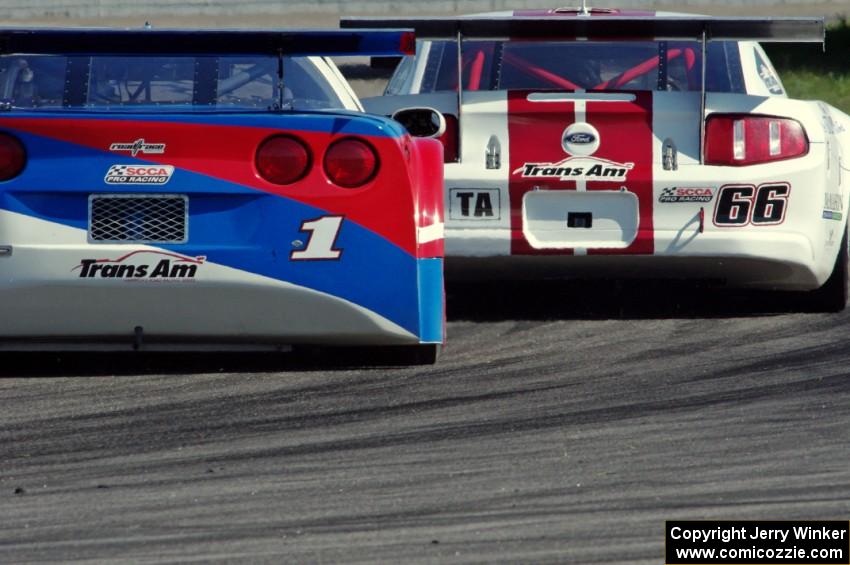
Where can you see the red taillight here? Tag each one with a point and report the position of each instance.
(449, 139)
(738, 140)
(350, 163)
(12, 156)
(283, 159)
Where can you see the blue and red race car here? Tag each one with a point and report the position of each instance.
(179, 189)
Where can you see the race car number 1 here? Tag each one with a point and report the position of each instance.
(321, 241)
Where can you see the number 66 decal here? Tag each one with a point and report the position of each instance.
(321, 243)
(739, 205)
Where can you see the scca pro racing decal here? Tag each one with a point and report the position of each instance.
(143, 265)
(577, 169)
(682, 194)
(138, 174)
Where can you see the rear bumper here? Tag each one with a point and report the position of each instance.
(57, 291)
(260, 312)
(46, 303)
(774, 260)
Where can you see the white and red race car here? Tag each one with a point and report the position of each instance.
(606, 143)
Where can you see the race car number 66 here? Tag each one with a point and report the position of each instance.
(321, 241)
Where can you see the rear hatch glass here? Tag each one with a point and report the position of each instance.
(573, 65)
(177, 83)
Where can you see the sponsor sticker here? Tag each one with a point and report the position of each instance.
(686, 194)
(139, 146)
(474, 204)
(833, 201)
(138, 174)
(142, 266)
(768, 78)
(833, 206)
(577, 169)
(832, 127)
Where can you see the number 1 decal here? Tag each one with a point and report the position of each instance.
(321, 243)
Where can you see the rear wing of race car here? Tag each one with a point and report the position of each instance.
(609, 28)
(147, 42)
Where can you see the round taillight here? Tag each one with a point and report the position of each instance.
(350, 163)
(12, 156)
(283, 159)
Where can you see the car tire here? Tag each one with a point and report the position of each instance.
(832, 296)
(425, 354)
(367, 356)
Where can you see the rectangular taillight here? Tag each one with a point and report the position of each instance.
(737, 140)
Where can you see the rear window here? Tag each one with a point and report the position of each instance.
(570, 65)
(179, 83)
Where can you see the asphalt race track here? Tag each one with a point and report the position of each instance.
(563, 424)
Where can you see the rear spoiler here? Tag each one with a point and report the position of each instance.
(147, 42)
(607, 28)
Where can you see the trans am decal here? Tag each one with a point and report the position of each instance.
(578, 169)
(138, 174)
(153, 266)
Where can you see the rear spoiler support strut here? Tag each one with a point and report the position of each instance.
(702, 98)
(459, 96)
(281, 98)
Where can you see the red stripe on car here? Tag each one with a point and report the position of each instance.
(536, 130)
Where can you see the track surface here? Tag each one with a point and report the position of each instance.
(563, 424)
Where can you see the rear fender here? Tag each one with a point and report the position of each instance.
(427, 180)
